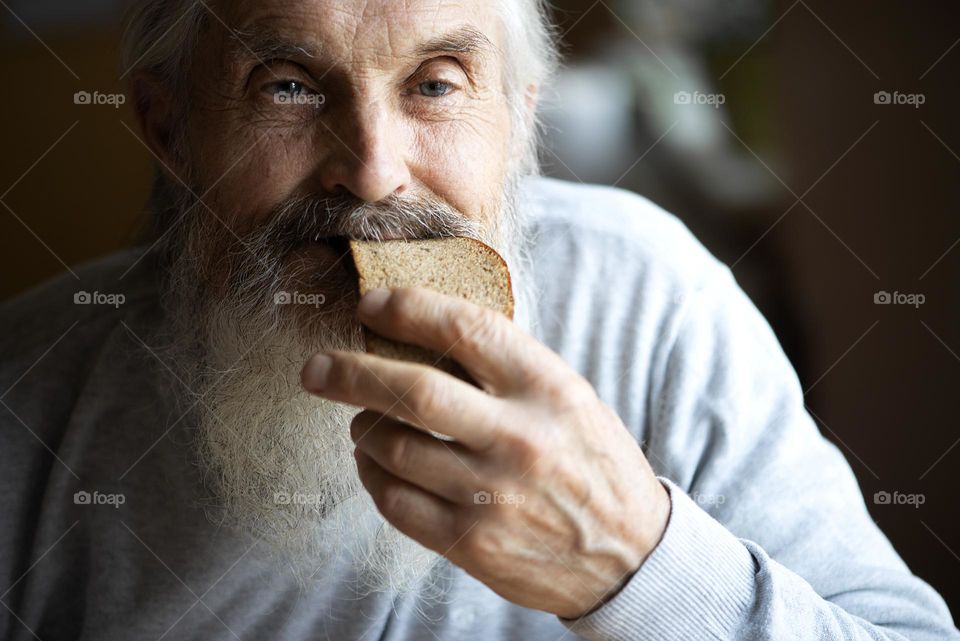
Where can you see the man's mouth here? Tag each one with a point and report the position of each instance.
(327, 241)
(326, 250)
(323, 266)
(338, 241)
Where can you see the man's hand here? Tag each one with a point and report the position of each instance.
(543, 494)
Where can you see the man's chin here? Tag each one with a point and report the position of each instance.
(277, 462)
(283, 472)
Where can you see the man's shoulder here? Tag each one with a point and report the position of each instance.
(89, 300)
(619, 226)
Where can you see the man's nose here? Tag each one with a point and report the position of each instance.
(368, 157)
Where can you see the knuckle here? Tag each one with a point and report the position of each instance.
(404, 305)
(405, 297)
(343, 373)
(521, 440)
(427, 397)
(475, 329)
(567, 394)
(391, 499)
(524, 450)
(400, 454)
(541, 383)
(483, 542)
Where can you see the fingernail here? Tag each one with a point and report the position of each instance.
(316, 371)
(373, 302)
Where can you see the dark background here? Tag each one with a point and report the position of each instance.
(817, 196)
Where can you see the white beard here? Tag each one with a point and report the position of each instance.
(278, 461)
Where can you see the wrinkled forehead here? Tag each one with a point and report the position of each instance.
(365, 33)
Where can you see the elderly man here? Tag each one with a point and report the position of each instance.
(186, 457)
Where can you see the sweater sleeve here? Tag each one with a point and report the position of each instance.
(769, 537)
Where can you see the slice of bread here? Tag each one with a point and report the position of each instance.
(456, 266)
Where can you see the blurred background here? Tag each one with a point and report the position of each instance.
(812, 146)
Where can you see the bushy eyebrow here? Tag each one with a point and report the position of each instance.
(265, 45)
(464, 40)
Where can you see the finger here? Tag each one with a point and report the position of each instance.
(417, 394)
(494, 350)
(445, 469)
(422, 516)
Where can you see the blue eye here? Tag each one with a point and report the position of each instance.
(434, 88)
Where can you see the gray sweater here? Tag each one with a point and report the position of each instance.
(768, 537)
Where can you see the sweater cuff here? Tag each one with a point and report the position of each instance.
(696, 584)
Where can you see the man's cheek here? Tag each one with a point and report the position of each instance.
(462, 169)
(256, 178)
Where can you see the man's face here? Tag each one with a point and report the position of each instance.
(311, 119)
(367, 97)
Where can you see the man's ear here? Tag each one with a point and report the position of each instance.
(156, 113)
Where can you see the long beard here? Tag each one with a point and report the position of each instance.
(278, 462)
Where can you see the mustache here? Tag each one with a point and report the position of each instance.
(262, 255)
(310, 218)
